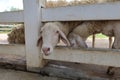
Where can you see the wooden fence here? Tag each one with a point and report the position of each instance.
(34, 14)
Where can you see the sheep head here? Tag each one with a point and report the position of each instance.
(50, 35)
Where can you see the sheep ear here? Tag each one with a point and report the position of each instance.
(64, 38)
(39, 42)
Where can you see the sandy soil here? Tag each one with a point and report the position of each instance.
(7, 74)
(3, 39)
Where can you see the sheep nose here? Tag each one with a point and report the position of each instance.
(46, 51)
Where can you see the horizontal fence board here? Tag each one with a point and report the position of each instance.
(12, 17)
(106, 11)
(13, 49)
(90, 56)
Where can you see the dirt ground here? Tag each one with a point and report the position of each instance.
(99, 43)
(3, 39)
(7, 74)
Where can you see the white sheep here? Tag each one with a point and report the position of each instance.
(52, 32)
(79, 35)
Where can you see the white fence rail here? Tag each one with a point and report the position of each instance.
(108, 11)
(12, 49)
(12, 17)
(32, 16)
(90, 56)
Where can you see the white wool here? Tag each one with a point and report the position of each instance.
(108, 28)
(52, 32)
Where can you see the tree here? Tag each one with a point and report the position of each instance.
(12, 9)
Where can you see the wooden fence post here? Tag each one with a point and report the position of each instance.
(32, 22)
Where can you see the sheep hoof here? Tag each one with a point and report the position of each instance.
(110, 71)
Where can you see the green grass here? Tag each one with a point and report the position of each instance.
(99, 36)
(4, 32)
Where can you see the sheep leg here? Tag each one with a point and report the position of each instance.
(81, 43)
(93, 41)
(110, 42)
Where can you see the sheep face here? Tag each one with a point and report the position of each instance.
(76, 40)
(50, 35)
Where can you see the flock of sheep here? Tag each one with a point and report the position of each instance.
(73, 33)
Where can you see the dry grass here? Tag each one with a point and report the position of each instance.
(56, 3)
(17, 35)
(59, 3)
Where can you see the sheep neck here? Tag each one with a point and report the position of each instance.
(67, 27)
